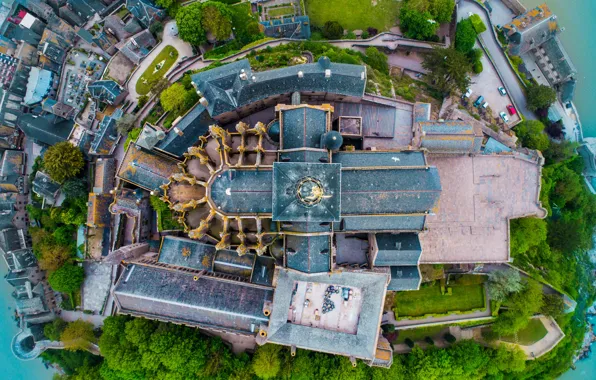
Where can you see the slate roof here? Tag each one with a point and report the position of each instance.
(397, 249)
(194, 124)
(297, 27)
(358, 159)
(243, 191)
(186, 253)
(146, 169)
(309, 254)
(389, 191)
(58, 108)
(53, 52)
(138, 46)
(568, 91)
(44, 129)
(12, 239)
(361, 345)
(116, 26)
(292, 181)
(170, 295)
(12, 162)
(105, 90)
(145, 11)
(450, 137)
(226, 91)
(531, 29)
(38, 85)
(311, 122)
(404, 278)
(105, 175)
(560, 60)
(44, 186)
(381, 223)
(87, 8)
(106, 137)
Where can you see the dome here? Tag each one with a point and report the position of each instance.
(274, 130)
(332, 140)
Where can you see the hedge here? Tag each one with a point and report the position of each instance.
(478, 24)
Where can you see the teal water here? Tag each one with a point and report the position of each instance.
(577, 17)
(10, 367)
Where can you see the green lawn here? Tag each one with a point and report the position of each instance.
(281, 11)
(354, 14)
(420, 334)
(169, 54)
(429, 300)
(530, 335)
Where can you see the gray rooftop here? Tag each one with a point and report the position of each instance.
(361, 345)
(397, 249)
(309, 254)
(175, 296)
(404, 278)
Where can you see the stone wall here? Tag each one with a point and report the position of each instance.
(515, 5)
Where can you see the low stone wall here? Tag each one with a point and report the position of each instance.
(515, 5)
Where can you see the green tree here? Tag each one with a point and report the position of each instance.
(553, 305)
(442, 10)
(156, 28)
(63, 161)
(527, 233)
(74, 188)
(521, 306)
(531, 135)
(332, 30)
(54, 329)
(173, 98)
(266, 363)
(159, 86)
(217, 19)
(67, 278)
(377, 60)
(478, 24)
(157, 204)
(501, 283)
(190, 28)
(540, 97)
(53, 256)
(447, 70)
(77, 335)
(417, 25)
(465, 36)
(126, 123)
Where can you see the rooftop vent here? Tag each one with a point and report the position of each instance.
(204, 102)
(300, 74)
(327, 73)
(178, 131)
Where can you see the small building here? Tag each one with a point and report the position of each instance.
(12, 162)
(38, 86)
(137, 47)
(107, 91)
(58, 108)
(46, 129)
(145, 11)
(132, 207)
(46, 187)
(296, 27)
(107, 136)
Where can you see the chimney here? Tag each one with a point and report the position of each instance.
(204, 102)
(300, 74)
(178, 131)
(327, 73)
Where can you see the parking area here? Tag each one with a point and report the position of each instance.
(486, 84)
(324, 306)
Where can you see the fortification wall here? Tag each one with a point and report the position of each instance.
(515, 5)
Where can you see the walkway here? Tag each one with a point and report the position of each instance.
(71, 316)
(170, 37)
(489, 38)
(433, 321)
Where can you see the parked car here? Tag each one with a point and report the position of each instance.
(502, 91)
(485, 105)
(511, 109)
(479, 101)
(504, 117)
(468, 93)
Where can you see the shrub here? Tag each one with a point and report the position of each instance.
(333, 30)
(377, 60)
(372, 31)
(478, 67)
(477, 23)
(409, 342)
(365, 35)
(67, 278)
(465, 36)
(449, 338)
(429, 340)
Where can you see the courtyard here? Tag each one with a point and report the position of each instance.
(354, 14)
(157, 69)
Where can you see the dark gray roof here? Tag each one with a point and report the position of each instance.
(361, 345)
(226, 91)
(292, 182)
(450, 137)
(302, 127)
(359, 159)
(262, 273)
(194, 124)
(20, 259)
(46, 129)
(397, 249)
(186, 253)
(389, 191)
(105, 90)
(87, 8)
(175, 296)
(309, 254)
(297, 27)
(146, 169)
(145, 11)
(230, 262)
(44, 186)
(559, 58)
(12, 239)
(568, 91)
(243, 191)
(106, 137)
(404, 278)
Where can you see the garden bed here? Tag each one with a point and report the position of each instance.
(354, 14)
(167, 57)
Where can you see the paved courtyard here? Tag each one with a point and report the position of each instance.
(98, 280)
(81, 69)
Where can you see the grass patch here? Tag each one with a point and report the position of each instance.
(529, 335)
(168, 55)
(354, 14)
(166, 222)
(281, 11)
(429, 300)
(419, 334)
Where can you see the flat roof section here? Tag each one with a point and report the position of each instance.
(359, 159)
(303, 127)
(480, 194)
(323, 306)
(243, 191)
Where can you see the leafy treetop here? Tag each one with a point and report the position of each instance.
(63, 161)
